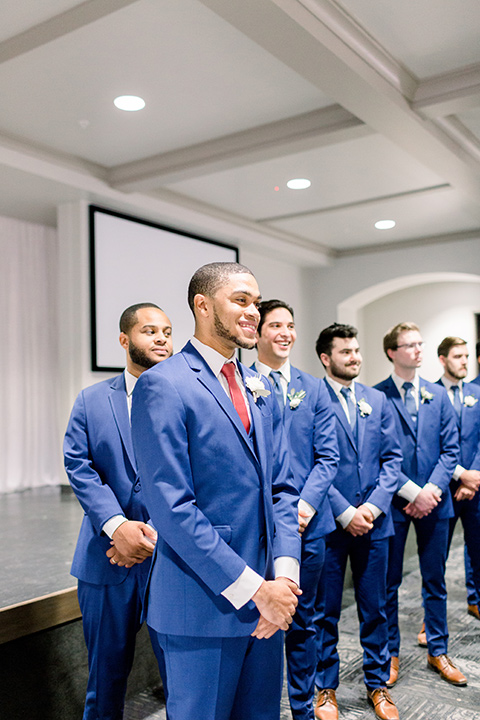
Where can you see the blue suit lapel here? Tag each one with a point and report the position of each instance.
(340, 413)
(294, 384)
(118, 401)
(361, 421)
(460, 418)
(206, 377)
(392, 392)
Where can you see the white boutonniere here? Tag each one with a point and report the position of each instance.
(425, 395)
(364, 408)
(296, 398)
(470, 400)
(256, 387)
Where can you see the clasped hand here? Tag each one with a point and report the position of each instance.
(276, 601)
(132, 543)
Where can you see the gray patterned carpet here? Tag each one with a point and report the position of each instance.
(420, 694)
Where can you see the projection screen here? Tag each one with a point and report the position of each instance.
(134, 260)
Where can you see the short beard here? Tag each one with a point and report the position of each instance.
(140, 358)
(224, 333)
(341, 372)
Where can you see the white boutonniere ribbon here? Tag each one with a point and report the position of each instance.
(364, 408)
(470, 400)
(256, 387)
(296, 398)
(425, 395)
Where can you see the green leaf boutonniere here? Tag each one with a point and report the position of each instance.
(296, 398)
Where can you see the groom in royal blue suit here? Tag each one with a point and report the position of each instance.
(427, 428)
(115, 544)
(212, 458)
(360, 498)
(309, 425)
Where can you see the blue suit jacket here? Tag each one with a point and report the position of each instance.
(312, 444)
(469, 428)
(209, 489)
(370, 465)
(100, 465)
(476, 381)
(431, 453)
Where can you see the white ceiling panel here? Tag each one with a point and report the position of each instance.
(16, 17)
(471, 120)
(424, 215)
(429, 37)
(343, 173)
(200, 79)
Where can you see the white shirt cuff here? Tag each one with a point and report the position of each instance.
(459, 470)
(288, 567)
(376, 512)
(409, 491)
(346, 517)
(434, 487)
(113, 524)
(306, 508)
(243, 589)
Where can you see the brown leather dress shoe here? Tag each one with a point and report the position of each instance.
(383, 704)
(473, 610)
(445, 667)
(422, 637)
(326, 707)
(394, 665)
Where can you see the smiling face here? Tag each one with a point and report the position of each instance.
(344, 361)
(230, 318)
(456, 363)
(149, 340)
(277, 337)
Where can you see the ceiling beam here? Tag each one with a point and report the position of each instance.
(449, 94)
(327, 48)
(58, 26)
(321, 127)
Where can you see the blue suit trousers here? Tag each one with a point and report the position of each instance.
(468, 511)
(300, 645)
(368, 559)
(223, 677)
(432, 543)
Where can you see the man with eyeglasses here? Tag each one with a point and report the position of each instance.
(427, 429)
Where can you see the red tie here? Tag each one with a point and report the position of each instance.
(228, 370)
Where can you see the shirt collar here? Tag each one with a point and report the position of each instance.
(399, 382)
(130, 381)
(448, 383)
(214, 359)
(285, 370)
(337, 387)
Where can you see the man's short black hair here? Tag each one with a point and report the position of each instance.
(209, 278)
(327, 336)
(129, 316)
(266, 306)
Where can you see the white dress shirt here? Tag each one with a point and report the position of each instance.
(247, 584)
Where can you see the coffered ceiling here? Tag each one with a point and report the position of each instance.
(377, 104)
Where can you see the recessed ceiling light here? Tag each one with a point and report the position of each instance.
(385, 224)
(131, 103)
(298, 184)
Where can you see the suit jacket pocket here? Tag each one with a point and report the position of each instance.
(225, 532)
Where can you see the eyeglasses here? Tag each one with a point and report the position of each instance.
(412, 346)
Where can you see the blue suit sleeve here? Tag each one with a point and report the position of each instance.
(326, 453)
(449, 445)
(97, 498)
(390, 459)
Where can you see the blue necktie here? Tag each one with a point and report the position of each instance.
(456, 400)
(352, 410)
(277, 388)
(409, 401)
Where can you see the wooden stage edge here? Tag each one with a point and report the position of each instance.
(40, 613)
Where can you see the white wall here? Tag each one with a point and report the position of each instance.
(329, 289)
(440, 309)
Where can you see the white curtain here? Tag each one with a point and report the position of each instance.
(29, 436)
